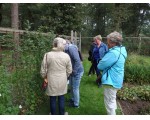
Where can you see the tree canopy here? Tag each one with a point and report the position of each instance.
(132, 19)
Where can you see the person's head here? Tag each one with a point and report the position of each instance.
(59, 43)
(98, 39)
(114, 39)
(68, 41)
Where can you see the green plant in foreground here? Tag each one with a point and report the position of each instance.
(134, 93)
(21, 85)
(6, 105)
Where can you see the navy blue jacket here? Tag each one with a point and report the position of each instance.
(99, 52)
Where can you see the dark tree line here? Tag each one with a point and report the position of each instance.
(132, 19)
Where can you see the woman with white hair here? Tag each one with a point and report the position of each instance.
(56, 67)
(112, 65)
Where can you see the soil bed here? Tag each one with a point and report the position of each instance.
(129, 108)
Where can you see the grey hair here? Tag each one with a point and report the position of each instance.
(68, 41)
(115, 37)
(59, 43)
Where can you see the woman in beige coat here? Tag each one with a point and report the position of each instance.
(56, 67)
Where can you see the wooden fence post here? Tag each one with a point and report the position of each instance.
(71, 35)
(16, 54)
(139, 47)
(80, 42)
(75, 38)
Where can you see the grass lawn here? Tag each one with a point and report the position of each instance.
(91, 97)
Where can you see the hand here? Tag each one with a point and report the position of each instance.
(46, 80)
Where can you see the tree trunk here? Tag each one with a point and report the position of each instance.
(1, 13)
(0, 24)
(117, 21)
(0, 54)
(141, 23)
(14, 15)
(15, 25)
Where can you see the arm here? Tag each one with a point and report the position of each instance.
(103, 50)
(107, 61)
(69, 67)
(80, 55)
(75, 58)
(43, 71)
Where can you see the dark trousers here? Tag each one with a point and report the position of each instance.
(61, 104)
(95, 62)
(92, 69)
(98, 79)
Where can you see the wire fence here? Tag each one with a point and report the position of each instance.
(138, 45)
(20, 78)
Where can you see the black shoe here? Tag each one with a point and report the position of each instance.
(71, 101)
(71, 104)
(100, 85)
(74, 106)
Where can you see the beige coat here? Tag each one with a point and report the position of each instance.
(58, 67)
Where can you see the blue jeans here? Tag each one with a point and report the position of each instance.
(75, 84)
(61, 104)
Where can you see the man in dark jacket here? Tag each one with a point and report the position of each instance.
(76, 75)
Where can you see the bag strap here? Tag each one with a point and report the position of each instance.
(113, 63)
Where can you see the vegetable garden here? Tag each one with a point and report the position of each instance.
(20, 84)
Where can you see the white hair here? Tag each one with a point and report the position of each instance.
(59, 43)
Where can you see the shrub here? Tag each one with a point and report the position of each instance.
(22, 84)
(134, 93)
(137, 69)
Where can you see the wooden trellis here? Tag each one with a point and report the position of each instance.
(76, 39)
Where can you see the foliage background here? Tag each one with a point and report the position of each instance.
(20, 79)
(132, 19)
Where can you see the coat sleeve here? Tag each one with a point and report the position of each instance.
(75, 58)
(103, 50)
(107, 61)
(69, 67)
(44, 67)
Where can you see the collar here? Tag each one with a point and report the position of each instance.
(55, 49)
(115, 47)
